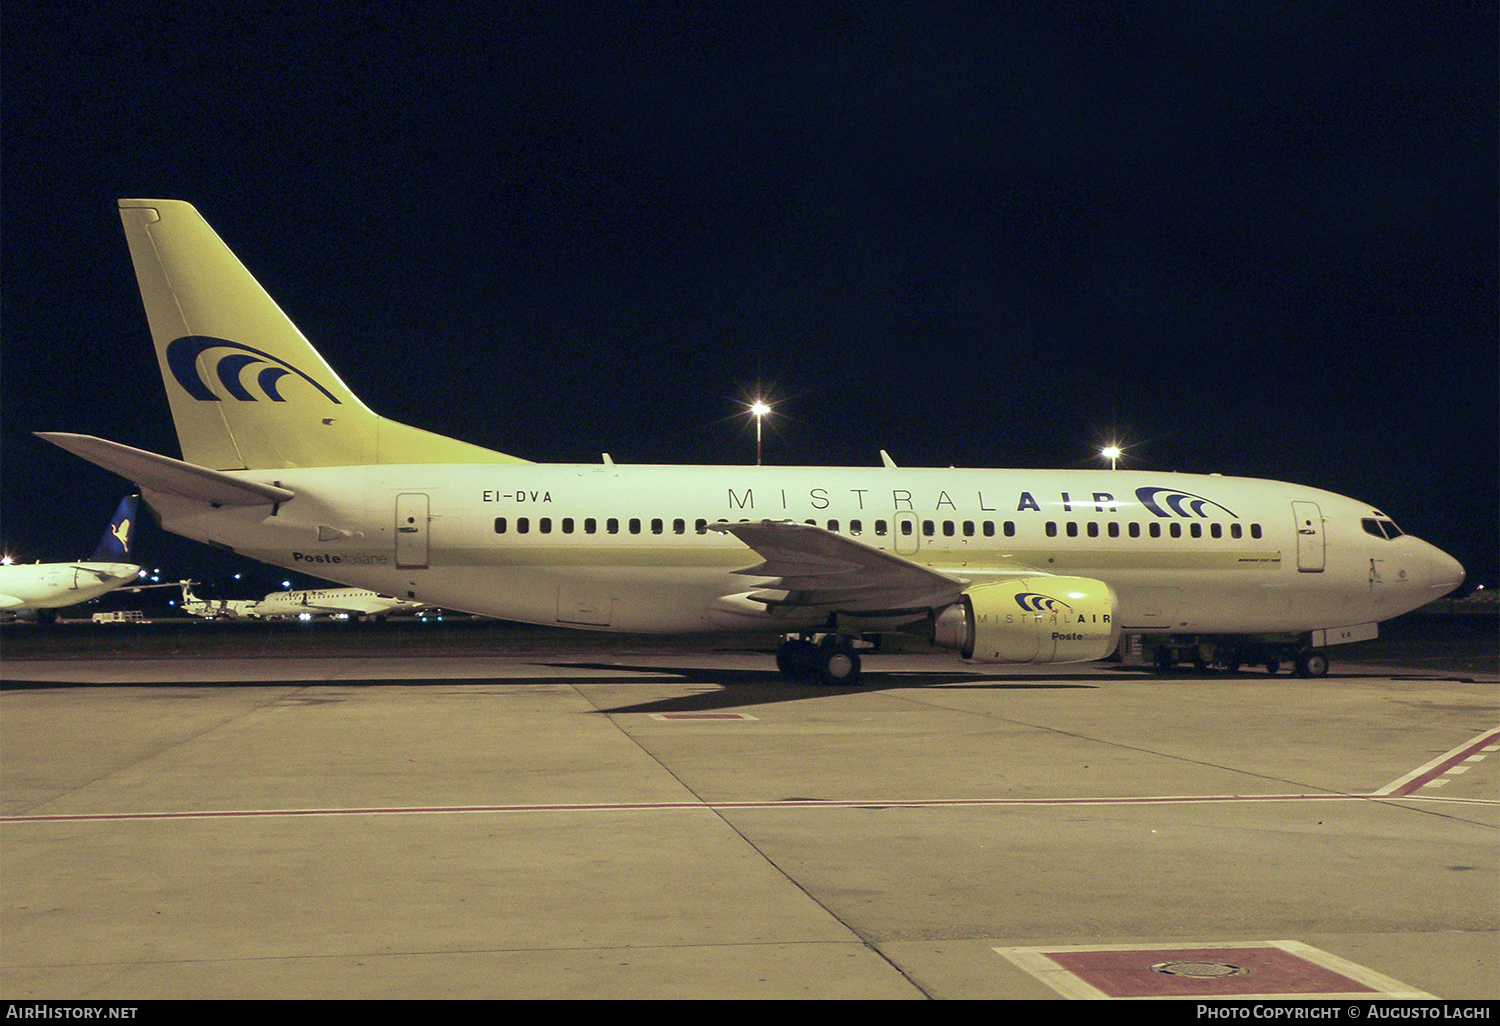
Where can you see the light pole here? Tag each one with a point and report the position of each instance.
(1111, 453)
(758, 409)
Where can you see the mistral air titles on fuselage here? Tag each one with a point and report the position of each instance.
(283, 463)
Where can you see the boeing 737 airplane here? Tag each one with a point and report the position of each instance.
(282, 463)
(27, 587)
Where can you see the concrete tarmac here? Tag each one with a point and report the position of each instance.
(619, 820)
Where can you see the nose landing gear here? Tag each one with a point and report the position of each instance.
(1228, 657)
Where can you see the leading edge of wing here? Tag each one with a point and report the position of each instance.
(817, 567)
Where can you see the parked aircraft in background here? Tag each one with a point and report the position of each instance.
(282, 463)
(333, 602)
(304, 603)
(27, 587)
(216, 609)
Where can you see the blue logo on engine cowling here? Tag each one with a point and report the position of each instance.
(1177, 503)
(1034, 602)
(182, 360)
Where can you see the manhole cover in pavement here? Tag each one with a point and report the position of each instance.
(1200, 970)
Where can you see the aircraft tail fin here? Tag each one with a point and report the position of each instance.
(246, 388)
(114, 543)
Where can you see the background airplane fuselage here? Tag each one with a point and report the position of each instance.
(627, 548)
(56, 585)
(331, 602)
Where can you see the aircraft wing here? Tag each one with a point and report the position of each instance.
(818, 568)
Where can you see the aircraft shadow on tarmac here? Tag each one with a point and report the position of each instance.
(722, 689)
(734, 689)
(725, 689)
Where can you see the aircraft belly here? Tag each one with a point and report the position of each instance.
(627, 600)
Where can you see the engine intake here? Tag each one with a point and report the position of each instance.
(1032, 620)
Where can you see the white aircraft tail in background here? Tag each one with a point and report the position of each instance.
(215, 609)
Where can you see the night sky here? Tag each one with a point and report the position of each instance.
(1250, 239)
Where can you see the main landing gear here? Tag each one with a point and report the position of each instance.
(829, 660)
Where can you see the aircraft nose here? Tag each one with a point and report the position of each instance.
(1444, 573)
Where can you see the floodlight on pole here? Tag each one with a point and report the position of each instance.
(758, 410)
(1111, 453)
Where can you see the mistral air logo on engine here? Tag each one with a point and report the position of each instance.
(1033, 602)
(1176, 503)
(229, 368)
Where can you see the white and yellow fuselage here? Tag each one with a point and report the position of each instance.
(631, 548)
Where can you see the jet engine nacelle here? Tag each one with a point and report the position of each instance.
(1032, 620)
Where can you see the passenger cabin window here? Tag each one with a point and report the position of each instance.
(499, 525)
(590, 526)
(880, 528)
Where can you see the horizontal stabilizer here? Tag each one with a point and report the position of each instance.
(164, 474)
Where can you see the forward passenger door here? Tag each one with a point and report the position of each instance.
(1309, 523)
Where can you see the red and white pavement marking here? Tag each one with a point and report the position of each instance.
(1258, 969)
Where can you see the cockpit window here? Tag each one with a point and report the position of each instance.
(1380, 528)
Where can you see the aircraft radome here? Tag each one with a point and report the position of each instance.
(282, 463)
